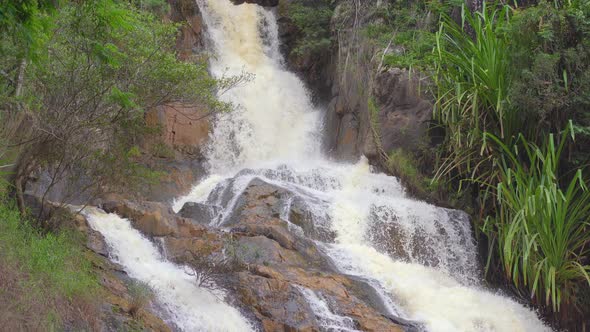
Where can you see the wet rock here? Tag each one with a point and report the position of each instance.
(117, 312)
(260, 250)
(403, 111)
(276, 303)
(199, 212)
(155, 219)
(187, 249)
(259, 201)
(152, 218)
(336, 289)
(264, 3)
(273, 228)
(314, 223)
(96, 243)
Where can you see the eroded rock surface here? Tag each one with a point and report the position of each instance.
(276, 272)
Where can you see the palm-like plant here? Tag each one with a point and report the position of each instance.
(473, 80)
(540, 228)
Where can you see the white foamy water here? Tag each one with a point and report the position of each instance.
(275, 118)
(327, 319)
(421, 259)
(187, 306)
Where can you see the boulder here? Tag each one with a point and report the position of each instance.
(151, 218)
(155, 219)
(404, 112)
(258, 202)
(201, 213)
(184, 128)
(276, 303)
(314, 223)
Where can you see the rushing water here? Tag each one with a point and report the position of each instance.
(429, 274)
(185, 305)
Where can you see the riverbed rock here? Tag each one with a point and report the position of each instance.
(155, 219)
(201, 213)
(259, 201)
(270, 268)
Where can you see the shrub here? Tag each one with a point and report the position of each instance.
(141, 295)
(472, 81)
(539, 231)
(314, 24)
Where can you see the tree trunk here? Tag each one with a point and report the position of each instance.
(21, 78)
(24, 168)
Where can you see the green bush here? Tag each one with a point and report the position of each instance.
(539, 230)
(473, 75)
(551, 56)
(314, 24)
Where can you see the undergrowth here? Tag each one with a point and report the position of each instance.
(45, 280)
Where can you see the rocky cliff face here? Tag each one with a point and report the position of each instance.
(370, 111)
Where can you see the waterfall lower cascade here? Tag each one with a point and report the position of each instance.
(420, 259)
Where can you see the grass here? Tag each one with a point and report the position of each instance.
(141, 295)
(473, 80)
(45, 279)
(540, 229)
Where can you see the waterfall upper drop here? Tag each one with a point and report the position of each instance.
(274, 119)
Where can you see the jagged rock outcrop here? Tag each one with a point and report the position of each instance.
(184, 127)
(190, 39)
(274, 271)
(370, 111)
(403, 111)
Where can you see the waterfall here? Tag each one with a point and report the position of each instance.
(275, 135)
(420, 259)
(185, 305)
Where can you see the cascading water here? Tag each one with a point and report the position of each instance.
(429, 275)
(185, 305)
(420, 259)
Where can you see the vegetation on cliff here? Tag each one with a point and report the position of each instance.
(510, 88)
(505, 79)
(76, 79)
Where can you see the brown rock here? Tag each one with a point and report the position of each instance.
(403, 110)
(151, 218)
(185, 127)
(278, 304)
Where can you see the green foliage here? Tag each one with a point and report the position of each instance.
(53, 264)
(406, 167)
(539, 231)
(551, 55)
(402, 30)
(473, 80)
(313, 22)
(416, 50)
(85, 93)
